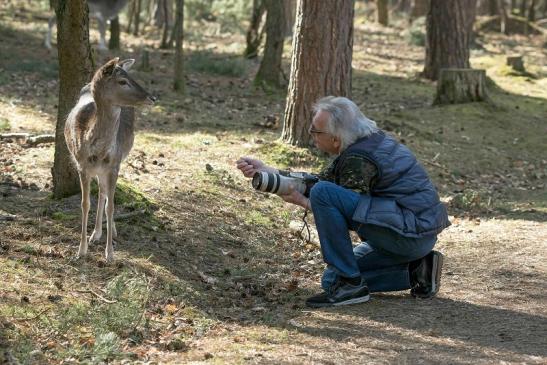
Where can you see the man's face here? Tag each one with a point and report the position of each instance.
(322, 139)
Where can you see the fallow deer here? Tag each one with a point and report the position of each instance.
(102, 10)
(99, 133)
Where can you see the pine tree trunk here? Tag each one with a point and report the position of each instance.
(114, 42)
(179, 61)
(418, 8)
(382, 12)
(75, 70)
(254, 33)
(138, 7)
(449, 27)
(270, 72)
(321, 62)
(456, 86)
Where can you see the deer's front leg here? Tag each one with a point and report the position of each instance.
(112, 178)
(84, 185)
(98, 231)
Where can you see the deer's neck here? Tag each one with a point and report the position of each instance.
(107, 122)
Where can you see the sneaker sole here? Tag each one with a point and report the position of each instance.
(438, 260)
(363, 299)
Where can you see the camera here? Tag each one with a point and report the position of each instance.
(281, 185)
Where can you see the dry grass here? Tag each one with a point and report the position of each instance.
(212, 273)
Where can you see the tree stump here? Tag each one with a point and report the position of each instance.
(516, 63)
(461, 85)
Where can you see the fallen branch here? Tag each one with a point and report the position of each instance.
(7, 218)
(29, 139)
(89, 291)
(42, 138)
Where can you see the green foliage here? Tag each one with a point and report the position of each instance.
(207, 62)
(4, 125)
(49, 70)
(230, 14)
(128, 196)
(61, 216)
(472, 201)
(285, 156)
(416, 32)
(105, 323)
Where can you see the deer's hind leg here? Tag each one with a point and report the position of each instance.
(84, 185)
(111, 180)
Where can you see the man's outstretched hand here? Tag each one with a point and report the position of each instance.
(249, 166)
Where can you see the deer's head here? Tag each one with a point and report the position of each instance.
(113, 84)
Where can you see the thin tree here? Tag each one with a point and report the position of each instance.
(114, 41)
(179, 61)
(449, 27)
(382, 14)
(255, 32)
(75, 70)
(321, 62)
(270, 72)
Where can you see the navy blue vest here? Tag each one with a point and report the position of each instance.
(402, 197)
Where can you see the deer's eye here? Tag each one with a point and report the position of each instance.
(122, 82)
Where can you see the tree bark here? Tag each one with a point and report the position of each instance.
(114, 41)
(382, 12)
(321, 62)
(75, 70)
(166, 41)
(179, 61)
(290, 13)
(270, 73)
(449, 27)
(418, 8)
(254, 33)
(456, 86)
(138, 8)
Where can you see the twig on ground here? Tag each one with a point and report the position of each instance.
(109, 301)
(30, 139)
(33, 317)
(436, 165)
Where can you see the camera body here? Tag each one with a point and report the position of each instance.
(281, 185)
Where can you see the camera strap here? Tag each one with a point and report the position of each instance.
(306, 226)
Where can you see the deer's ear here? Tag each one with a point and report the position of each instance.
(126, 64)
(109, 68)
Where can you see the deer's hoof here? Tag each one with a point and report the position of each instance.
(95, 236)
(109, 257)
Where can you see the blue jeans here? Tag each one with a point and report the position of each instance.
(382, 259)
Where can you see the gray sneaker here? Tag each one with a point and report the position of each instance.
(341, 293)
(426, 277)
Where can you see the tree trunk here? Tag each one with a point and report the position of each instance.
(321, 62)
(418, 8)
(138, 7)
(166, 41)
(382, 12)
(523, 6)
(270, 72)
(75, 70)
(449, 27)
(290, 13)
(503, 16)
(254, 33)
(493, 7)
(179, 61)
(456, 86)
(532, 11)
(114, 42)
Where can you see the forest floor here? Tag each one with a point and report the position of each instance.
(209, 271)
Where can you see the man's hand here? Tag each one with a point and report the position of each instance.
(296, 197)
(249, 166)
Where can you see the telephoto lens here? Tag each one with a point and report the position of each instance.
(277, 184)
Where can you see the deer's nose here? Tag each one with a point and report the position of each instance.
(152, 99)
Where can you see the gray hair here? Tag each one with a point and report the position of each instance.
(346, 121)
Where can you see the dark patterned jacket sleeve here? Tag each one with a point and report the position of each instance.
(356, 173)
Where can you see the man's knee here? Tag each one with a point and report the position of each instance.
(321, 190)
